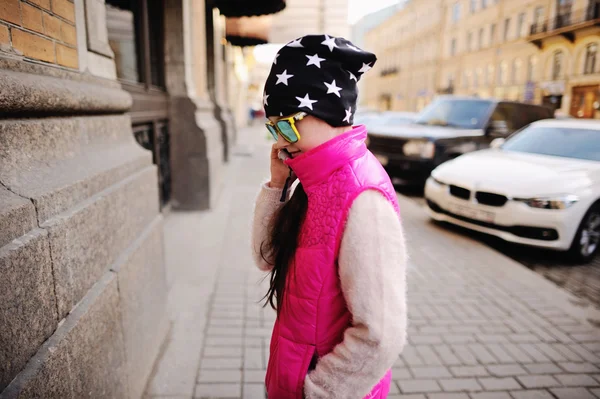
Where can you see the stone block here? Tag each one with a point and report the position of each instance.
(27, 301)
(85, 357)
(87, 240)
(33, 46)
(66, 56)
(142, 289)
(17, 216)
(61, 162)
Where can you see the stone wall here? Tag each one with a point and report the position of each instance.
(40, 30)
(83, 288)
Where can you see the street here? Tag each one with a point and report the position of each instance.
(581, 280)
(481, 325)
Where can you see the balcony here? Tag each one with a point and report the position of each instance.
(565, 25)
(389, 72)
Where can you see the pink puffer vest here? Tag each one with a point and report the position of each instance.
(314, 316)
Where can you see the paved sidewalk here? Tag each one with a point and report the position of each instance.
(481, 325)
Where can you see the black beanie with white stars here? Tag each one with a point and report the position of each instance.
(317, 74)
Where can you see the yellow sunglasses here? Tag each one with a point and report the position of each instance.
(286, 127)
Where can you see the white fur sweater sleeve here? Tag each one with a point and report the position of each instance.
(267, 203)
(372, 268)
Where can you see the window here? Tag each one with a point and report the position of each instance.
(492, 34)
(136, 36)
(516, 72)
(591, 54)
(502, 72)
(453, 47)
(456, 12)
(506, 28)
(531, 64)
(489, 73)
(473, 6)
(465, 78)
(480, 40)
(469, 41)
(484, 4)
(557, 65)
(520, 23)
(538, 15)
(476, 78)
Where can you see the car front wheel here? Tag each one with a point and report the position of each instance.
(587, 240)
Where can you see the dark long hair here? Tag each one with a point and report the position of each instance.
(280, 246)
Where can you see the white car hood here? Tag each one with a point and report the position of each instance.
(519, 174)
(411, 131)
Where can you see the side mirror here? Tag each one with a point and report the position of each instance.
(497, 143)
(497, 129)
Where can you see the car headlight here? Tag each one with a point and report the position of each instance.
(424, 149)
(558, 202)
(437, 181)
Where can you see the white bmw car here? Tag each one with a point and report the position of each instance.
(541, 187)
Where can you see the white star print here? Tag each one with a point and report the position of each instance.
(275, 60)
(365, 68)
(352, 76)
(283, 78)
(329, 42)
(314, 60)
(265, 99)
(306, 102)
(295, 43)
(332, 88)
(348, 115)
(354, 48)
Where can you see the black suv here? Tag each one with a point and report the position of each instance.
(450, 126)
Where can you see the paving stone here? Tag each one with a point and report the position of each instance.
(490, 395)
(532, 394)
(221, 351)
(482, 354)
(595, 392)
(418, 386)
(542, 368)
(572, 393)
(210, 391)
(506, 370)
(538, 381)
(394, 390)
(447, 395)
(430, 372)
(500, 353)
(425, 339)
(499, 384)
(576, 380)
(572, 367)
(469, 371)
(460, 384)
(253, 358)
(447, 356)
(221, 363)
(401, 373)
(428, 355)
(254, 376)
(254, 391)
(417, 396)
(220, 376)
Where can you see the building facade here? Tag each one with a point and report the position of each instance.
(406, 72)
(111, 113)
(538, 51)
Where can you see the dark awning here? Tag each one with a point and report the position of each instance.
(249, 8)
(245, 41)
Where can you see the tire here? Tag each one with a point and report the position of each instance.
(586, 243)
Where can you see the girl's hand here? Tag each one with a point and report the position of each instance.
(279, 170)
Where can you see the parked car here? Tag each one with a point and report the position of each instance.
(540, 188)
(387, 118)
(450, 126)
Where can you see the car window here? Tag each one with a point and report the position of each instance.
(557, 141)
(454, 112)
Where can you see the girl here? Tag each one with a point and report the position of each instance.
(335, 250)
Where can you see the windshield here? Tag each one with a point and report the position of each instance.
(557, 141)
(452, 112)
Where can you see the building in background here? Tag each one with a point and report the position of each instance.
(111, 113)
(405, 75)
(539, 51)
(302, 17)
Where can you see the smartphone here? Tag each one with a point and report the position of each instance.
(283, 154)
